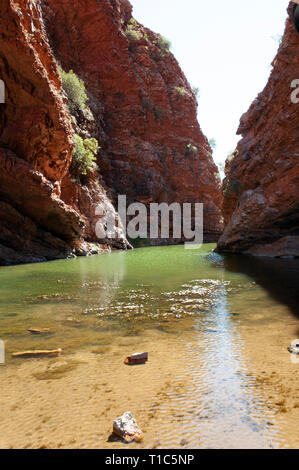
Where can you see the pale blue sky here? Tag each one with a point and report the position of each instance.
(225, 48)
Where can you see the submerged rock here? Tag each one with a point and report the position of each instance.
(39, 331)
(137, 358)
(126, 427)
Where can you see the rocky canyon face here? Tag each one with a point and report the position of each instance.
(144, 109)
(141, 110)
(261, 188)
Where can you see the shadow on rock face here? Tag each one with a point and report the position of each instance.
(280, 277)
(295, 17)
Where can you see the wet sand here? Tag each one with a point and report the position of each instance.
(219, 374)
(71, 401)
(270, 365)
(74, 406)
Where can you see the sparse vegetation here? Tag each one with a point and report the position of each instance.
(180, 90)
(133, 23)
(196, 92)
(133, 32)
(225, 192)
(163, 43)
(191, 148)
(84, 155)
(233, 186)
(213, 143)
(75, 90)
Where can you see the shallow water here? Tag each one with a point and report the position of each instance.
(216, 327)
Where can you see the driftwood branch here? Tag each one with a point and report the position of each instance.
(41, 353)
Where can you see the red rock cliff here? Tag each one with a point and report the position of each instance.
(261, 188)
(153, 149)
(35, 142)
(141, 110)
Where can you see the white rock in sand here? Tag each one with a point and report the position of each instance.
(126, 427)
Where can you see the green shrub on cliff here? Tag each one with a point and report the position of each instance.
(233, 186)
(84, 155)
(75, 90)
(190, 148)
(132, 34)
(180, 90)
(213, 143)
(132, 31)
(196, 92)
(163, 43)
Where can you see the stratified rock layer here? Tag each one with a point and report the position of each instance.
(261, 188)
(35, 143)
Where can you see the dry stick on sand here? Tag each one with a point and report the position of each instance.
(42, 353)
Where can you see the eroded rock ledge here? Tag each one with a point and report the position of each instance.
(261, 188)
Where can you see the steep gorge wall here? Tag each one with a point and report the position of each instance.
(35, 142)
(152, 148)
(261, 188)
(145, 111)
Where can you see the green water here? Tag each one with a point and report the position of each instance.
(126, 292)
(98, 300)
